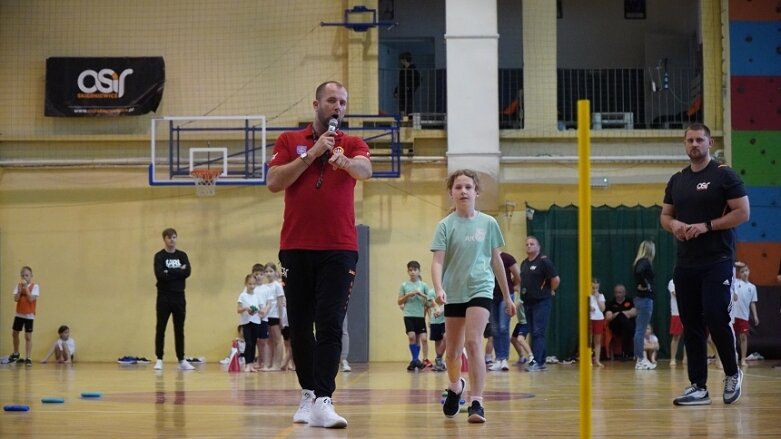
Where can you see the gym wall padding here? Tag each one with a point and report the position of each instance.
(763, 260)
(754, 10)
(756, 157)
(755, 103)
(753, 48)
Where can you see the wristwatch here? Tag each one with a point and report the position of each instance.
(303, 157)
(709, 225)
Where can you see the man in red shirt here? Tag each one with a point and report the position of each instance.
(317, 167)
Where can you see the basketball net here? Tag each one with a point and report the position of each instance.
(205, 181)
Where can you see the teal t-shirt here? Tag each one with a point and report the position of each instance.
(468, 244)
(520, 313)
(415, 306)
(432, 304)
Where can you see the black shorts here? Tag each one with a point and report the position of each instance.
(415, 324)
(459, 309)
(273, 321)
(263, 331)
(437, 331)
(286, 333)
(20, 322)
(487, 333)
(521, 329)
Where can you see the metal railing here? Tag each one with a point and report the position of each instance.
(628, 98)
(631, 98)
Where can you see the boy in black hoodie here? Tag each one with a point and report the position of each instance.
(172, 267)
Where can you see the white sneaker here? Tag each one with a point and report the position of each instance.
(304, 407)
(644, 365)
(496, 366)
(159, 365)
(324, 415)
(185, 365)
(346, 366)
(505, 366)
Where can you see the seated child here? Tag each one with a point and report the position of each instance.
(241, 345)
(64, 348)
(237, 346)
(650, 344)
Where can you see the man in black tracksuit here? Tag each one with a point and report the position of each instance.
(703, 204)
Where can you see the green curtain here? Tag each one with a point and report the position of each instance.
(615, 236)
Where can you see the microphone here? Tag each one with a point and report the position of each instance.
(332, 125)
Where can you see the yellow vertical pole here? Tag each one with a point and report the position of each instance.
(584, 262)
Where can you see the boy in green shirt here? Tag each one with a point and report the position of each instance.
(413, 301)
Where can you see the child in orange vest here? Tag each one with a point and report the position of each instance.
(26, 296)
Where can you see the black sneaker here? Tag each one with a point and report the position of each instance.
(419, 365)
(28, 362)
(450, 407)
(412, 365)
(13, 357)
(732, 387)
(693, 395)
(475, 412)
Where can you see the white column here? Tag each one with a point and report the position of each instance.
(473, 93)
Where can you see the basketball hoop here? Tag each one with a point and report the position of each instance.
(205, 181)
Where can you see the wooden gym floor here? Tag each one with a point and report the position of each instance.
(379, 400)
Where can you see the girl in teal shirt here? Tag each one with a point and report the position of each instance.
(466, 260)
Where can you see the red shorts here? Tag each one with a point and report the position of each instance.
(740, 326)
(676, 327)
(597, 326)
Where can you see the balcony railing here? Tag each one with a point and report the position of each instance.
(629, 98)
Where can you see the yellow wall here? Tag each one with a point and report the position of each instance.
(221, 58)
(402, 215)
(90, 236)
(90, 233)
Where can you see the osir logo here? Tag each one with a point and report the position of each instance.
(105, 81)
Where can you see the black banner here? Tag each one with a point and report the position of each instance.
(126, 86)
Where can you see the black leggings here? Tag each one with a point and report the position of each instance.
(251, 333)
(170, 303)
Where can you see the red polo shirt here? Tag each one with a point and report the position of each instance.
(324, 218)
